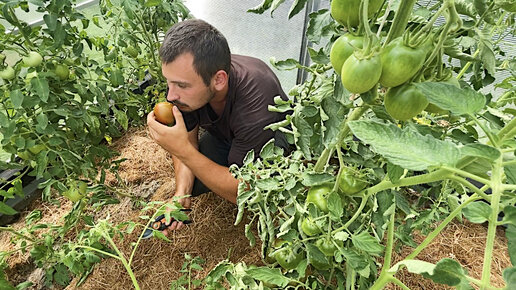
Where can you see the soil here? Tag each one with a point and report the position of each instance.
(148, 175)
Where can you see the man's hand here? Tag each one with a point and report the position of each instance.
(176, 225)
(173, 139)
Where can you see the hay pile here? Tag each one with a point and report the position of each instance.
(148, 173)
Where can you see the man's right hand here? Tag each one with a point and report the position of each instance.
(176, 225)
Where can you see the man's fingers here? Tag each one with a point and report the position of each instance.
(178, 116)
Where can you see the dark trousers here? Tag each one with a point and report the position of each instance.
(216, 150)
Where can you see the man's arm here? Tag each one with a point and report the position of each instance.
(176, 141)
(184, 176)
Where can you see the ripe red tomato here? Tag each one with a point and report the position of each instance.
(163, 113)
(360, 75)
(404, 102)
(400, 63)
(342, 48)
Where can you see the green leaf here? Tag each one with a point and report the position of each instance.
(319, 21)
(266, 4)
(448, 272)
(449, 97)
(368, 243)
(16, 98)
(487, 54)
(5, 209)
(287, 64)
(405, 148)
(312, 178)
(152, 3)
(510, 233)
(317, 258)
(41, 88)
(477, 212)
(480, 150)
(50, 21)
(414, 266)
(335, 206)
(296, 7)
(510, 172)
(268, 184)
(121, 117)
(509, 217)
(4, 284)
(394, 172)
(267, 150)
(509, 275)
(266, 274)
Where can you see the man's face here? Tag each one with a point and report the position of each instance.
(186, 89)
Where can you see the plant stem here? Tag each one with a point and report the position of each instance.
(400, 20)
(439, 228)
(467, 174)
(486, 131)
(354, 217)
(496, 187)
(122, 259)
(389, 247)
(507, 132)
(98, 251)
(13, 231)
(471, 186)
(399, 283)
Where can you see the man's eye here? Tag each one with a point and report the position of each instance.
(182, 86)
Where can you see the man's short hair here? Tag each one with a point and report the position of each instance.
(208, 46)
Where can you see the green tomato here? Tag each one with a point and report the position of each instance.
(360, 75)
(62, 71)
(349, 182)
(309, 227)
(287, 257)
(326, 246)
(2, 58)
(342, 48)
(404, 102)
(33, 59)
(347, 12)
(7, 74)
(131, 51)
(318, 195)
(400, 63)
(30, 75)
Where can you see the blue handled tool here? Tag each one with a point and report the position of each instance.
(160, 224)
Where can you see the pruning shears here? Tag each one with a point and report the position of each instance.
(160, 223)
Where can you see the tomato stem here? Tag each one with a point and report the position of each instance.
(475, 189)
(497, 190)
(400, 20)
(489, 135)
(467, 174)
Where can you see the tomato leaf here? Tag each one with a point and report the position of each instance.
(448, 272)
(394, 172)
(16, 98)
(405, 148)
(296, 7)
(368, 243)
(510, 171)
(509, 215)
(317, 258)
(480, 150)
(477, 212)
(266, 274)
(320, 22)
(449, 97)
(5, 209)
(335, 206)
(509, 275)
(311, 179)
(414, 266)
(510, 234)
(262, 7)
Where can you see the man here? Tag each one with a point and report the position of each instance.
(227, 95)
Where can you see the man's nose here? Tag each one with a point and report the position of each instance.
(172, 96)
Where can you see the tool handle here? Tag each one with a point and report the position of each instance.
(160, 224)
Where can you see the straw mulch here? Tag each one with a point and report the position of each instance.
(148, 174)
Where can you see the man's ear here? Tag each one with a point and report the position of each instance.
(220, 80)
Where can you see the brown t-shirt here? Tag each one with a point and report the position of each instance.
(252, 88)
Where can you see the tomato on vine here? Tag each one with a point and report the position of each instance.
(359, 75)
(346, 12)
(7, 73)
(342, 48)
(33, 59)
(309, 227)
(404, 102)
(400, 62)
(350, 182)
(287, 256)
(327, 246)
(318, 195)
(62, 71)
